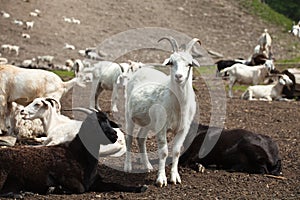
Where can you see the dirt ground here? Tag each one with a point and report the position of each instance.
(223, 27)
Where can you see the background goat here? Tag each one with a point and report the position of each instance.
(247, 75)
(235, 150)
(267, 92)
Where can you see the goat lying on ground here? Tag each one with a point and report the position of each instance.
(247, 75)
(60, 128)
(267, 92)
(24, 85)
(69, 167)
(149, 92)
(235, 150)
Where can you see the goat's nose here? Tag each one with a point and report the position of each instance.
(178, 76)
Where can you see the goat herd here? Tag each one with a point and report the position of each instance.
(67, 159)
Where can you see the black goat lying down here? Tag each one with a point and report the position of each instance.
(235, 150)
(69, 168)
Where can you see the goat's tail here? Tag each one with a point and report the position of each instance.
(71, 83)
(223, 71)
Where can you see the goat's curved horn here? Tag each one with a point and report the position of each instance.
(84, 110)
(172, 41)
(191, 44)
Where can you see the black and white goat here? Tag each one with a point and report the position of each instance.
(70, 167)
(234, 150)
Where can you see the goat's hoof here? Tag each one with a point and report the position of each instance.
(200, 168)
(161, 181)
(175, 178)
(127, 168)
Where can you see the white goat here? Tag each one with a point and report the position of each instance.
(106, 75)
(25, 36)
(28, 62)
(5, 14)
(15, 48)
(173, 94)
(34, 14)
(47, 59)
(60, 128)
(22, 85)
(75, 21)
(267, 92)
(66, 19)
(69, 46)
(295, 30)
(3, 61)
(247, 74)
(29, 25)
(18, 22)
(265, 42)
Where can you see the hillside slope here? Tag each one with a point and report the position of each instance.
(220, 25)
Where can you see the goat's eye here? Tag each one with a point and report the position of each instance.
(36, 105)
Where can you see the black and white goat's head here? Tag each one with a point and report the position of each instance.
(181, 60)
(39, 106)
(285, 80)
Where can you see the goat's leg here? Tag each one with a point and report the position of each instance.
(97, 95)
(96, 90)
(114, 98)
(231, 84)
(178, 142)
(3, 108)
(142, 137)
(163, 154)
(128, 138)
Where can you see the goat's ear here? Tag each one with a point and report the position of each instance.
(167, 62)
(45, 103)
(195, 63)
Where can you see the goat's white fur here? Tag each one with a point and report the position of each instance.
(267, 92)
(148, 93)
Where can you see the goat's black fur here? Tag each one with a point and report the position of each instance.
(70, 167)
(235, 150)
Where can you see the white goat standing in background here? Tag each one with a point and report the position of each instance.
(265, 44)
(175, 94)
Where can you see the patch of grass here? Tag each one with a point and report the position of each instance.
(204, 70)
(64, 74)
(290, 61)
(266, 13)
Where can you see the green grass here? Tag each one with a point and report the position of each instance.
(64, 74)
(266, 13)
(290, 61)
